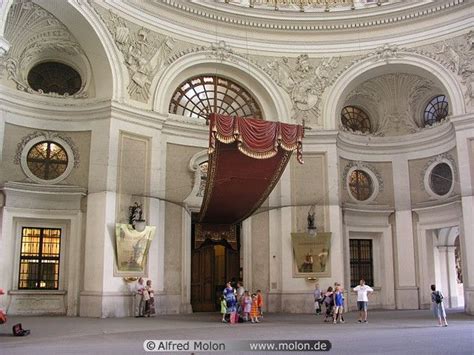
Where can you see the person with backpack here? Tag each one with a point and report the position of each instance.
(438, 306)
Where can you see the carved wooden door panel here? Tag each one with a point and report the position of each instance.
(202, 279)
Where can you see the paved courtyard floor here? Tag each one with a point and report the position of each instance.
(388, 332)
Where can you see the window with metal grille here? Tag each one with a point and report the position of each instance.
(360, 185)
(441, 179)
(39, 258)
(205, 94)
(436, 110)
(355, 119)
(47, 160)
(54, 77)
(361, 261)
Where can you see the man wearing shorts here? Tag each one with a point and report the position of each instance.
(362, 300)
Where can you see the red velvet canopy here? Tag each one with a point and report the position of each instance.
(246, 159)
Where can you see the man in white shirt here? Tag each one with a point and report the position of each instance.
(362, 300)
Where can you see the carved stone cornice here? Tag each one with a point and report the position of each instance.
(274, 22)
(437, 140)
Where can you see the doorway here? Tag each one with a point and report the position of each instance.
(213, 263)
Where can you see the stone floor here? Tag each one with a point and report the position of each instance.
(388, 332)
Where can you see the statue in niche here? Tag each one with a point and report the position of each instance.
(135, 213)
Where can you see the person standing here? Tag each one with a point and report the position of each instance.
(223, 309)
(260, 303)
(338, 304)
(438, 306)
(317, 299)
(362, 299)
(139, 304)
(149, 300)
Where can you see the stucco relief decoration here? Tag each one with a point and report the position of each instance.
(396, 97)
(386, 52)
(457, 55)
(47, 38)
(361, 166)
(144, 52)
(221, 51)
(305, 79)
(48, 136)
(437, 159)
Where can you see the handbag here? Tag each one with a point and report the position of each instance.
(146, 295)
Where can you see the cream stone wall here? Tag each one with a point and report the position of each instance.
(133, 173)
(260, 252)
(309, 188)
(10, 171)
(179, 183)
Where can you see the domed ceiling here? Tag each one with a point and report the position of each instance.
(294, 25)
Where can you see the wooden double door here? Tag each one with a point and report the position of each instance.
(212, 265)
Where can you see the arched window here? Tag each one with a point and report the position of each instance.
(205, 94)
(54, 77)
(47, 160)
(436, 110)
(360, 185)
(355, 119)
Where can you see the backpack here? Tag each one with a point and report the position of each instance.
(438, 297)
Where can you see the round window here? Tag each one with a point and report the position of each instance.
(441, 179)
(360, 185)
(47, 160)
(54, 77)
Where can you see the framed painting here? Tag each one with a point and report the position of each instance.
(311, 255)
(132, 249)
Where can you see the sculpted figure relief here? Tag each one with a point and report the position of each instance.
(305, 80)
(145, 53)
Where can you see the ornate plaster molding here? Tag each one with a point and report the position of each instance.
(144, 52)
(456, 55)
(267, 22)
(47, 136)
(46, 38)
(360, 165)
(395, 97)
(428, 167)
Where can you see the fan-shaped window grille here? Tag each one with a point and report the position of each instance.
(47, 160)
(202, 95)
(53, 77)
(441, 179)
(436, 110)
(355, 119)
(360, 185)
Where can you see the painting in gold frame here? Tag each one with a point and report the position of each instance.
(132, 249)
(311, 255)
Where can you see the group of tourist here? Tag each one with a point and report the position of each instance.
(238, 305)
(144, 299)
(333, 301)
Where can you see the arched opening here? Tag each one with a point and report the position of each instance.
(215, 260)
